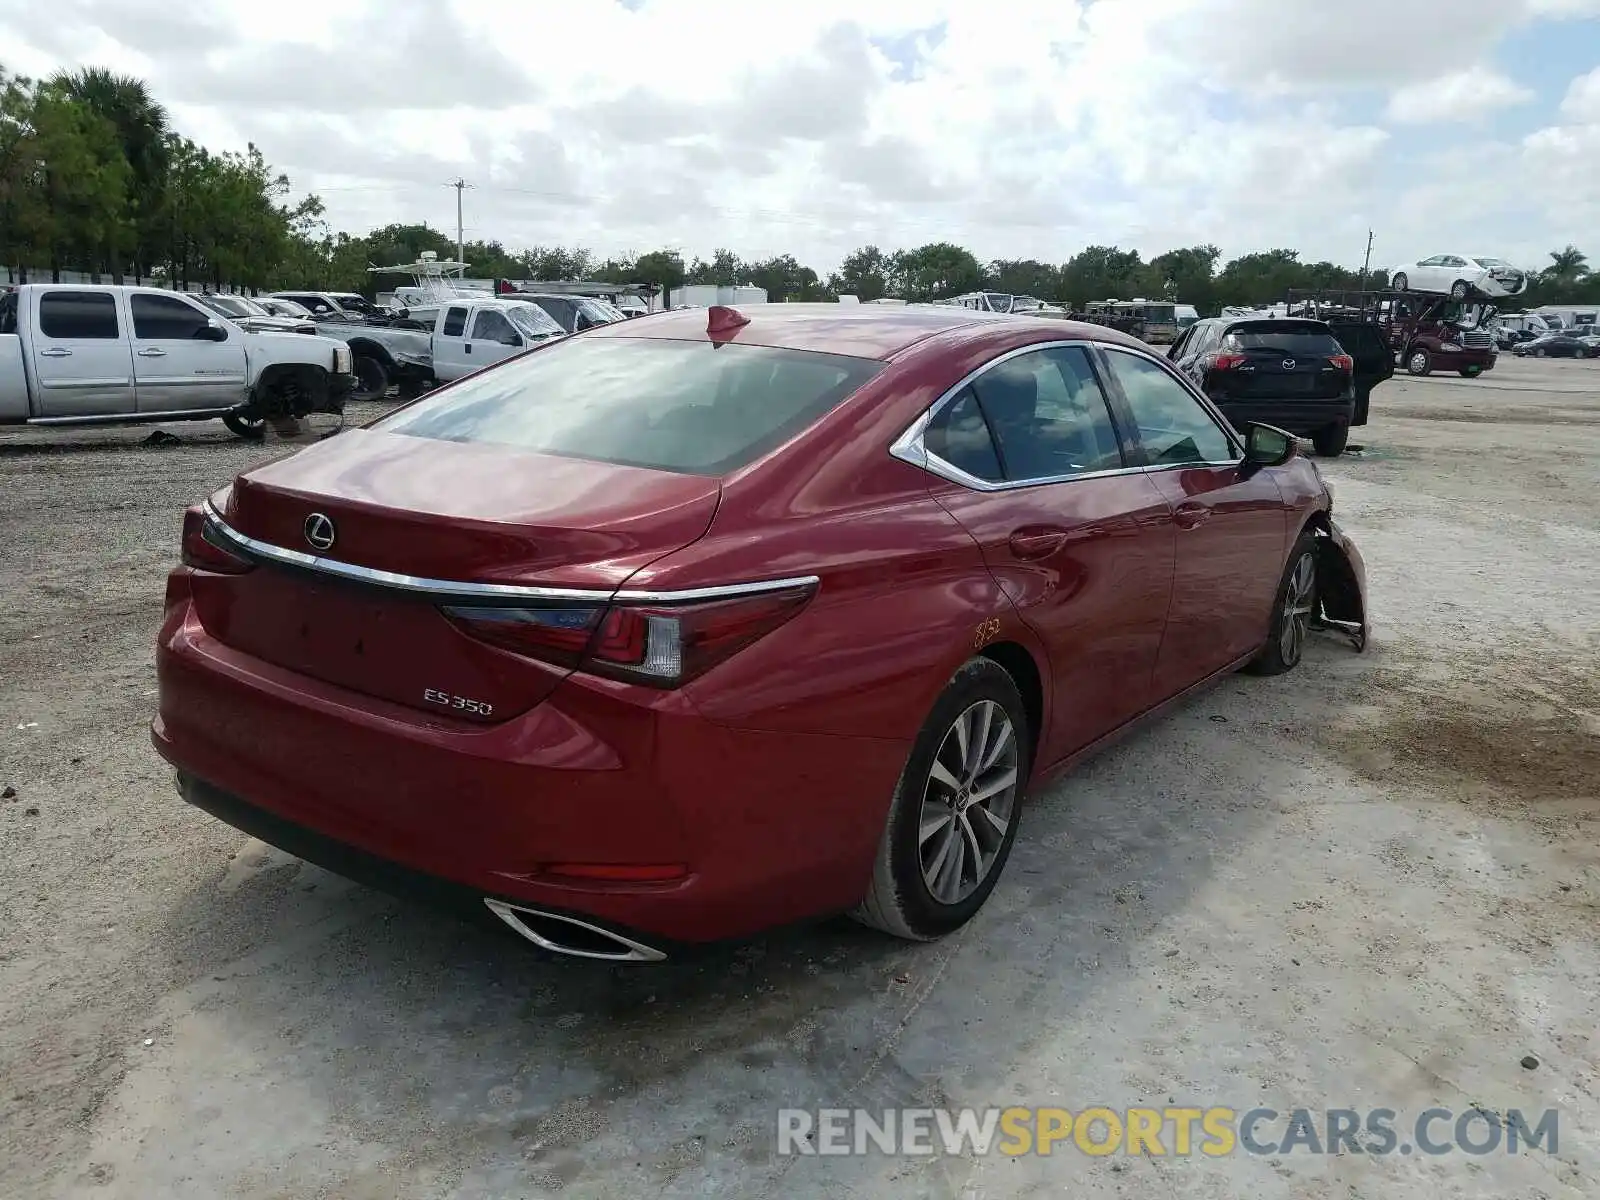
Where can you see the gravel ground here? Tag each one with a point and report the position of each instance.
(1372, 882)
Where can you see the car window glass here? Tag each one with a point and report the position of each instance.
(455, 321)
(1172, 424)
(691, 406)
(1180, 348)
(165, 318)
(1048, 415)
(492, 326)
(959, 435)
(8, 312)
(78, 315)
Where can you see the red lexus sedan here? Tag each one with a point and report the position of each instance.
(686, 627)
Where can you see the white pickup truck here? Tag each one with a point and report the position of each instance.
(75, 354)
(469, 335)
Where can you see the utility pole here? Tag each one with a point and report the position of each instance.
(460, 185)
(1366, 263)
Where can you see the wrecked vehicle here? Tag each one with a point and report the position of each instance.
(388, 347)
(885, 573)
(77, 354)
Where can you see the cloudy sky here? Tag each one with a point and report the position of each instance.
(1019, 128)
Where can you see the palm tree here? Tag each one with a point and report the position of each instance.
(1567, 266)
(142, 128)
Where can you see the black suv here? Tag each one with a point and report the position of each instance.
(1291, 372)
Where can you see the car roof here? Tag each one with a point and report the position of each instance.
(858, 330)
(1268, 319)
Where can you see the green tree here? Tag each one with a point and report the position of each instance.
(863, 274)
(1566, 267)
(1188, 276)
(141, 126)
(1023, 277)
(1103, 273)
(935, 271)
(725, 269)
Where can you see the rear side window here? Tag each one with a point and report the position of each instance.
(1299, 340)
(165, 318)
(455, 320)
(959, 435)
(78, 315)
(690, 407)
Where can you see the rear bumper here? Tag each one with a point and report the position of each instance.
(769, 828)
(1299, 417)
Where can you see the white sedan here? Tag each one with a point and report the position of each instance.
(1460, 276)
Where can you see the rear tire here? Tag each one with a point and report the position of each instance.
(1293, 607)
(1330, 440)
(953, 817)
(372, 378)
(1419, 362)
(1469, 372)
(1401, 282)
(252, 429)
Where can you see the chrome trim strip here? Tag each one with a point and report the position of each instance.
(458, 590)
(630, 950)
(136, 418)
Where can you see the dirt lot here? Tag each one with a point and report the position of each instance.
(1374, 882)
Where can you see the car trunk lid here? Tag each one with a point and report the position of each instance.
(1279, 360)
(408, 514)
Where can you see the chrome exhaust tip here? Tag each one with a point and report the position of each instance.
(570, 936)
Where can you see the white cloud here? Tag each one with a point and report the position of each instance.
(1020, 129)
(1458, 96)
(1582, 101)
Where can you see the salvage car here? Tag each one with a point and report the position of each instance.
(389, 348)
(680, 629)
(1290, 372)
(76, 354)
(248, 315)
(1554, 345)
(1460, 276)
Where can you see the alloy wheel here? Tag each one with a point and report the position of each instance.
(969, 802)
(1298, 600)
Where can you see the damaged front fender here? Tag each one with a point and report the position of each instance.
(1342, 584)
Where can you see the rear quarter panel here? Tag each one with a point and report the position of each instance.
(13, 379)
(905, 595)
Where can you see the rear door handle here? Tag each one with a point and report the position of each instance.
(55, 352)
(152, 352)
(1037, 542)
(1188, 516)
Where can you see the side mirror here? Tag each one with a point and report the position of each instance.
(514, 340)
(1268, 446)
(213, 332)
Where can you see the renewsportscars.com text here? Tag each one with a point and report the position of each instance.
(1162, 1132)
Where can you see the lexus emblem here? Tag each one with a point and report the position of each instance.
(1288, 365)
(319, 531)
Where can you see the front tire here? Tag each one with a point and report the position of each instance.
(1460, 290)
(372, 378)
(1330, 440)
(1292, 609)
(953, 817)
(1469, 372)
(1418, 362)
(1538, 352)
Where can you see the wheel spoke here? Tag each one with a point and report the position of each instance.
(932, 823)
(963, 732)
(942, 774)
(994, 785)
(947, 878)
(974, 760)
(1001, 740)
(970, 841)
(998, 825)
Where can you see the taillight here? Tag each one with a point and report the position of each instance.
(662, 645)
(1342, 361)
(1226, 359)
(205, 549)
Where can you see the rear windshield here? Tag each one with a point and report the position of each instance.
(691, 407)
(1289, 339)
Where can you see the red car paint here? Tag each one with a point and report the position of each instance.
(755, 794)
